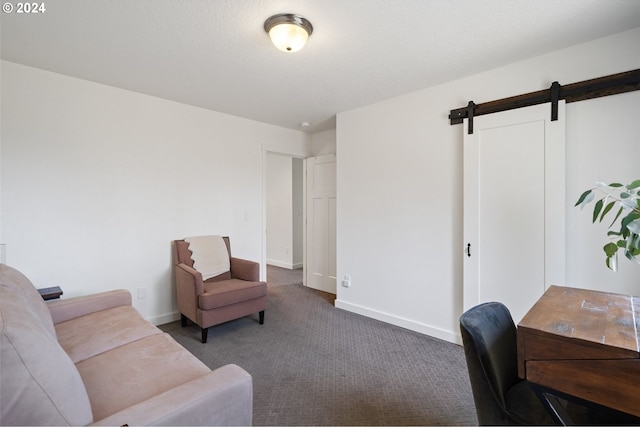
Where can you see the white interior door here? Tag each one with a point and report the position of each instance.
(320, 255)
(514, 207)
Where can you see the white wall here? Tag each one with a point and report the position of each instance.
(602, 146)
(323, 142)
(399, 178)
(284, 211)
(279, 211)
(298, 212)
(97, 181)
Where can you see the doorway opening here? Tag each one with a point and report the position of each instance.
(284, 217)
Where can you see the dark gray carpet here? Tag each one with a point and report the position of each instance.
(277, 276)
(314, 364)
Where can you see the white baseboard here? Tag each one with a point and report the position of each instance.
(286, 265)
(422, 328)
(165, 318)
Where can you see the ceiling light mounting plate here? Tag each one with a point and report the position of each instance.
(288, 18)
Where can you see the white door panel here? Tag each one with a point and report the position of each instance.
(514, 207)
(320, 265)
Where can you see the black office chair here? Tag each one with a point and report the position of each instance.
(501, 398)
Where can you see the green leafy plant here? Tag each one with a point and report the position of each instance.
(627, 199)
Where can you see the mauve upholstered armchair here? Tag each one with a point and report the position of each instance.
(231, 295)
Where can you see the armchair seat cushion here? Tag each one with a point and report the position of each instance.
(228, 292)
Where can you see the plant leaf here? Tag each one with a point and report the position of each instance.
(583, 197)
(629, 255)
(627, 236)
(606, 210)
(610, 249)
(596, 209)
(629, 219)
(634, 184)
(612, 263)
(616, 218)
(634, 226)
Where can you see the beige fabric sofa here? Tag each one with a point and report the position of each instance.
(95, 360)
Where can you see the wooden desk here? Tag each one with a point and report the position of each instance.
(585, 344)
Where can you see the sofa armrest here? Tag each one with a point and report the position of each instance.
(223, 397)
(245, 270)
(67, 309)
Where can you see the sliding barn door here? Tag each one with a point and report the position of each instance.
(514, 207)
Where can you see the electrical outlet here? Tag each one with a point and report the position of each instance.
(346, 281)
(142, 292)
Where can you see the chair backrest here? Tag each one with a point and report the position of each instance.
(182, 254)
(489, 339)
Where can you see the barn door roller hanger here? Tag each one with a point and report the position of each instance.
(588, 89)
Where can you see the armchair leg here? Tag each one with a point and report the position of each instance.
(261, 317)
(183, 320)
(205, 333)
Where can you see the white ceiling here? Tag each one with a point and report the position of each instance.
(215, 54)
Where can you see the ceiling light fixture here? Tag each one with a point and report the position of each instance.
(288, 32)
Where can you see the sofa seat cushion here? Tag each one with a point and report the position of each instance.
(135, 372)
(227, 292)
(95, 333)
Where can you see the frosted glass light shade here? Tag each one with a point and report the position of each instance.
(288, 32)
(288, 37)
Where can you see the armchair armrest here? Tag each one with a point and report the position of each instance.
(67, 309)
(222, 397)
(245, 270)
(189, 285)
(188, 278)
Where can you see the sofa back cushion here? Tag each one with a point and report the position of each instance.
(30, 298)
(39, 384)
